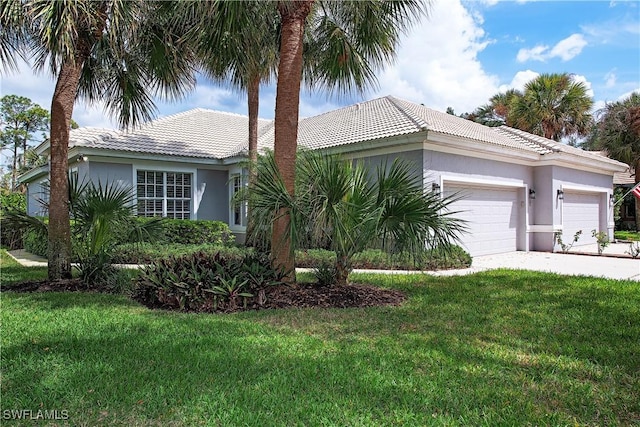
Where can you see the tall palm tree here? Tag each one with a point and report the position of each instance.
(237, 42)
(553, 106)
(352, 38)
(117, 51)
(618, 133)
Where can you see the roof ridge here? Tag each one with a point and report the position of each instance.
(419, 121)
(536, 139)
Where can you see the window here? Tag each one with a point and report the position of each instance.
(238, 209)
(165, 194)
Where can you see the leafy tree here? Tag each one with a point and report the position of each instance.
(362, 35)
(119, 52)
(20, 118)
(618, 133)
(345, 207)
(496, 112)
(554, 106)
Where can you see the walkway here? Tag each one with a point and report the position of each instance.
(586, 263)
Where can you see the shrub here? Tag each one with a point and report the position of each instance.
(35, 242)
(145, 253)
(192, 232)
(434, 259)
(206, 281)
(11, 237)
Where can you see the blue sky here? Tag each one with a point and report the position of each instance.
(464, 53)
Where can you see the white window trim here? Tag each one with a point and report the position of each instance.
(164, 169)
(233, 173)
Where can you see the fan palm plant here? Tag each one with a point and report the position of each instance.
(553, 106)
(345, 207)
(117, 51)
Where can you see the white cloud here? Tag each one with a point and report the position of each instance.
(565, 49)
(519, 80)
(582, 79)
(610, 79)
(438, 62)
(537, 53)
(568, 48)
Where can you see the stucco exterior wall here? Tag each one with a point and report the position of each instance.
(211, 195)
(110, 173)
(35, 193)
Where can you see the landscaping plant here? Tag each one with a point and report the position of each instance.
(602, 239)
(340, 205)
(566, 247)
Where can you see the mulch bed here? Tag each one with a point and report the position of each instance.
(299, 296)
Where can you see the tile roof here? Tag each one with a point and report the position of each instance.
(218, 135)
(194, 133)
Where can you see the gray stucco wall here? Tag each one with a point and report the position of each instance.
(35, 193)
(413, 158)
(212, 195)
(111, 173)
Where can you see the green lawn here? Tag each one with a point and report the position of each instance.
(627, 235)
(500, 348)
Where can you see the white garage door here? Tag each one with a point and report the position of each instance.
(580, 211)
(492, 218)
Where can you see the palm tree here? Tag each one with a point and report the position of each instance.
(347, 208)
(352, 38)
(553, 106)
(237, 42)
(116, 51)
(618, 133)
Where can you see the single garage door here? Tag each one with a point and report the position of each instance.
(580, 211)
(492, 218)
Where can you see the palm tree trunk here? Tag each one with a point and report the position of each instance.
(342, 270)
(293, 16)
(253, 100)
(62, 103)
(636, 200)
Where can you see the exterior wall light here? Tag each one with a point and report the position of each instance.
(532, 194)
(435, 187)
(611, 199)
(560, 195)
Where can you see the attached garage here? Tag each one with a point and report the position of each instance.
(493, 215)
(580, 211)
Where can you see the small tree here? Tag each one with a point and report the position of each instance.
(347, 208)
(20, 119)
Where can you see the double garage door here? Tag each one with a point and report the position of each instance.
(493, 216)
(580, 211)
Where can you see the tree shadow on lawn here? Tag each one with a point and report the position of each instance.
(475, 349)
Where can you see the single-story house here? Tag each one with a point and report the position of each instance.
(518, 189)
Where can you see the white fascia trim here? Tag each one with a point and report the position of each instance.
(484, 182)
(134, 156)
(453, 145)
(374, 147)
(33, 174)
(584, 188)
(579, 163)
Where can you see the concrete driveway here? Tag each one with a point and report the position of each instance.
(582, 261)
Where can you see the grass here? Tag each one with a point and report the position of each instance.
(12, 272)
(627, 235)
(496, 348)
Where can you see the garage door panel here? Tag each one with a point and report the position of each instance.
(580, 211)
(492, 218)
